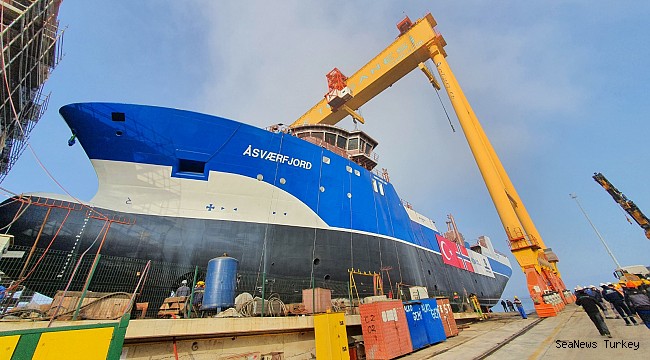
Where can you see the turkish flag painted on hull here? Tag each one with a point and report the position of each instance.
(448, 251)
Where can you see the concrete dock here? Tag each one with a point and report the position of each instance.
(570, 335)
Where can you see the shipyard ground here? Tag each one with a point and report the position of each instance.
(507, 336)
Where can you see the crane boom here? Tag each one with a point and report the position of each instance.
(418, 43)
(628, 205)
(404, 55)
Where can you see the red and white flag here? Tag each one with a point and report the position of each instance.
(448, 251)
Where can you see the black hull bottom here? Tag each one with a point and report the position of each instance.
(288, 258)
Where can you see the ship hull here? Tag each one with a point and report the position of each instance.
(180, 188)
(295, 257)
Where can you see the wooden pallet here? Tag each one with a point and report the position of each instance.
(173, 307)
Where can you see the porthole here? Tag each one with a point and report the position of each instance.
(260, 177)
(118, 133)
(316, 261)
(283, 181)
(326, 277)
(322, 189)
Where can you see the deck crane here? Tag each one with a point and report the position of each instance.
(627, 204)
(417, 43)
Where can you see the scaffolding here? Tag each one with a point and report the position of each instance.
(29, 38)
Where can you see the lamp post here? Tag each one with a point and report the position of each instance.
(575, 197)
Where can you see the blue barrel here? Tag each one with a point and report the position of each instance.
(417, 327)
(220, 283)
(433, 321)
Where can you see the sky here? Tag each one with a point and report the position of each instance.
(561, 89)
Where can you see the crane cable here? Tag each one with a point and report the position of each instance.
(445, 109)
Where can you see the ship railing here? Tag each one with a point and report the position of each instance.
(406, 204)
(328, 146)
(372, 155)
(49, 202)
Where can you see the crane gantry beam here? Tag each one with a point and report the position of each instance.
(401, 57)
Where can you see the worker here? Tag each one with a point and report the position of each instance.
(639, 300)
(199, 290)
(520, 307)
(504, 305)
(591, 306)
(599, 297)
(511, 307)
(612, 307)
(183, 290)
(618, 301)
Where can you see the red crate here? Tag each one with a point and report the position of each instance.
(385, 330)
(447, 317)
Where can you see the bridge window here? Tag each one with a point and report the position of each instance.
(317, 135)
(353, 144)
(341, 141)
(330, 138)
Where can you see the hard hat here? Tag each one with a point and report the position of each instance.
(603, 284)
(609, 284)
(200, 283)
(184, 282)
(578, 288)
(515, 297)
(591, 286)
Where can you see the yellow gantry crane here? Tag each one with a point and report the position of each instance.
(417, 43)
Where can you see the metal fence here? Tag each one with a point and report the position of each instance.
(52, 271)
